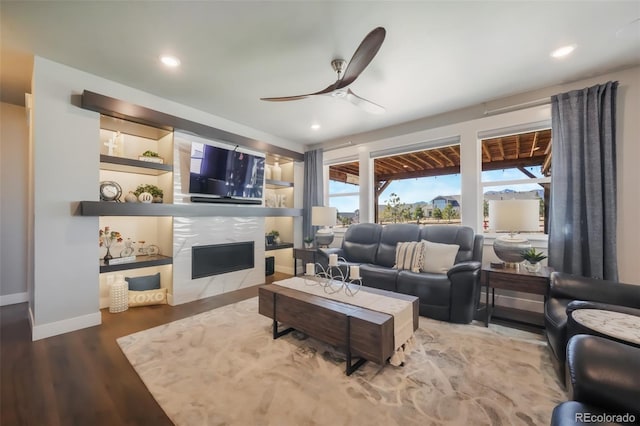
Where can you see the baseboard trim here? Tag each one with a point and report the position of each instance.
(515, 302)
(12, 299)
(43, 331)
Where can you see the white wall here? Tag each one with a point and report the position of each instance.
(628, 137)
(14, 150)
(66, 162)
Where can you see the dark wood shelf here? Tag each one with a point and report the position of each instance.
(277, 184)
(278, 246)
(129, 165)
(140, 262)
(110, 208)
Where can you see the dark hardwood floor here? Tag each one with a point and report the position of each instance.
(83, 378)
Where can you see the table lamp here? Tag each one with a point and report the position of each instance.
(513, 216)
(325, 217)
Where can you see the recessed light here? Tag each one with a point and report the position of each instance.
(170, 61)
(315, 127)
(563, 51)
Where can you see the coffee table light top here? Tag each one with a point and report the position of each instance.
(615, 324)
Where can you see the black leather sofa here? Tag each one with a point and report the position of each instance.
(603, 381)
(449, 297)
(570, 292)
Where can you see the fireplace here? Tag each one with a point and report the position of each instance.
(221, 258)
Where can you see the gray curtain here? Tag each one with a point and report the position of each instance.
(313, 189)
(582, 216)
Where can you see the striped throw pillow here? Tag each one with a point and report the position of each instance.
(409, 256)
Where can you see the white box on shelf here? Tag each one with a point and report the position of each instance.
(158, 160)
(121, 260)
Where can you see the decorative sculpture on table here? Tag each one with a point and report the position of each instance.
(115, 144)
(334, 278)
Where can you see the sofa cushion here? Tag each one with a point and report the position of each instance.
(438, 258)
(360, 243)
(390, 236)
(379, 277)
(463, 236)
(433, 288)
(409, 255)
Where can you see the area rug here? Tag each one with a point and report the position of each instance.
(222, 367)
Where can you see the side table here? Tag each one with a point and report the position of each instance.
(515, 279)
(307, 255)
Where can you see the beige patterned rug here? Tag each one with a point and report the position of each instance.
(222, 367)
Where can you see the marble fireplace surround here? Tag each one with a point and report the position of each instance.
(196, 231)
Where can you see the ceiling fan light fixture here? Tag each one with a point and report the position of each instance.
(563, 51)
(170, 61)
(348, 72)
(315, 126)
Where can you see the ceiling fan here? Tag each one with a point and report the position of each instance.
(348, 73)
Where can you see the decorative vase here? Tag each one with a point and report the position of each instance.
(308, 245)
(532, 267)
(131, 198)
(107, 257)
(157, 199)
(267, 171)
(276, 172)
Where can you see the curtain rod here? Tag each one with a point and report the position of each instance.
(537, 102)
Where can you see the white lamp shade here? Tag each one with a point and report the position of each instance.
(514, 215)
(323, 216)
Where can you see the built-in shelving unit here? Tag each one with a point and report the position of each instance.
(140, 262)
(149, 130)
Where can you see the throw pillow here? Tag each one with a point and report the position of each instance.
(148, 282)
(148, 297)
(409, 256)
(438, 258)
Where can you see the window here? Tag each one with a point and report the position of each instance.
(516, 167)
(344, 192)
(421, 187)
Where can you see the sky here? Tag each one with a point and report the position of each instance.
(426, 189)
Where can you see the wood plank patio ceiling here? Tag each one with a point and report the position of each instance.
(515, 151)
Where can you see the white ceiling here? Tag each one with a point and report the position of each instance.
(437, 56)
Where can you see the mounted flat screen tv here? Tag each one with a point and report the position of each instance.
(216, 172)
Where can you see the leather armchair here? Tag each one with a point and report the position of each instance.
(570, 292)
(603, 378)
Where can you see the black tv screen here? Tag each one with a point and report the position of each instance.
(225, 173)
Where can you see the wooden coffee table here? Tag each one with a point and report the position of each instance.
(362, 333)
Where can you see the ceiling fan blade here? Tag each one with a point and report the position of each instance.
(285, 98)
(364, 104)
(327, 89)
(363, 56)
